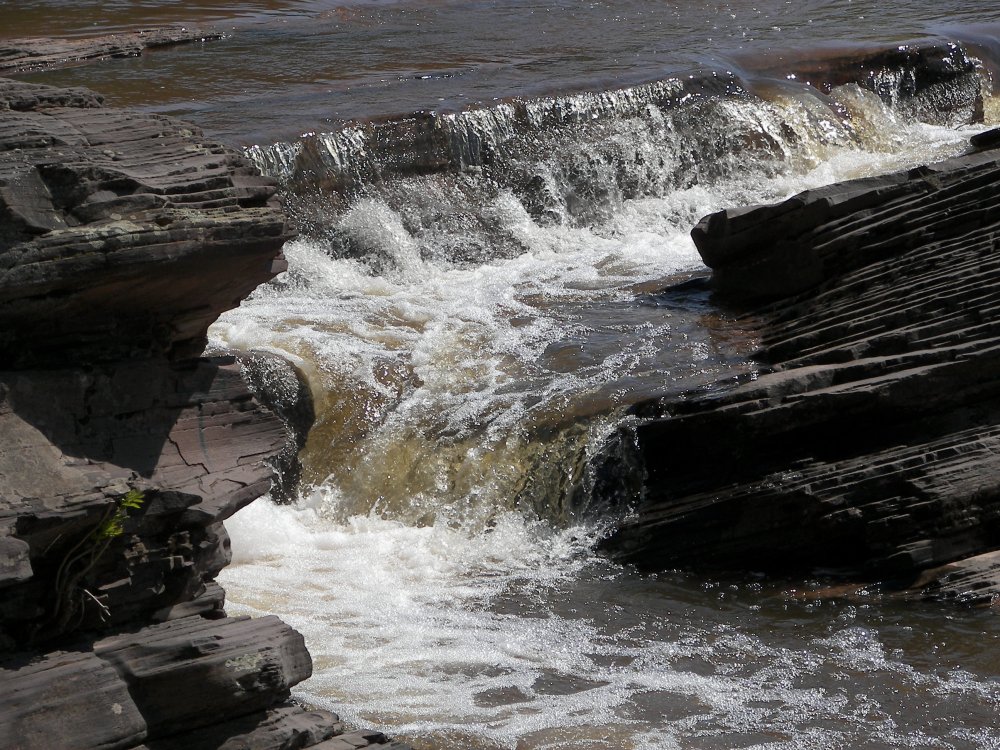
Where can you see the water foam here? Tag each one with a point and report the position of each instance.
(441, 587)
(519, 637)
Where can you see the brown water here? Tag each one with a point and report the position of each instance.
(291, 67)
(471, 335)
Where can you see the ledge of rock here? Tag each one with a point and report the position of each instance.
(93, 200)
(931, 81)
(21, 55)
(867, 441)
(122, 238)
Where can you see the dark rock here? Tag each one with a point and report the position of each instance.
(123, 234)
(974, 581)
(15, 565)
(820, 234)
(67, 700)
(284, 389)
(236, 666)
(867, 442)
(122, 237)
(152, 683)
(363, 738)
(987, 140)
(20, 55)
(191, 438)
(209, 604)
(934, 82)
(283, 727)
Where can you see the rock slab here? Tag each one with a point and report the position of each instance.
(865, 440)
(122, 238)
(30, 54)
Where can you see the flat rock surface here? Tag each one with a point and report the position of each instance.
(867, 441)
(35, 53)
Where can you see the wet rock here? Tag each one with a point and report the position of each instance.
(986, 140)
(974, 581)
(928, 81)
(29, 54)
(359, 739)
(279, 728)
(283, 388)
(866, 441)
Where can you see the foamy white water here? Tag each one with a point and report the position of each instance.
(445, 591)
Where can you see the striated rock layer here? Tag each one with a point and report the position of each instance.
(122, 238)
(867, 443)
(32, 53)
(123, 234)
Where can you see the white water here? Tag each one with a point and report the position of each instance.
(439, 603)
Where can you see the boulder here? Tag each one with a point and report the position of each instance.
(865, 439)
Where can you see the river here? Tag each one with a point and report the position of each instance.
(471, 335)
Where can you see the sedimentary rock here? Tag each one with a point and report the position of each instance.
(278, 728)
(973, 581)
(933, 82)
(124, 235)
(284, 389)
(122, 450)
(190, 438)
(20, 55)
(866, 439)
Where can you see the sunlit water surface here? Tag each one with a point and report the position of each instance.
(469, 348)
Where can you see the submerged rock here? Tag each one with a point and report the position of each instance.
(33, 53)
(867, 442)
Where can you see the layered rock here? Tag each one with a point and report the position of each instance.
(28, 54)
(124, 235)
(122, 238)
(866, 441)
(933, 82)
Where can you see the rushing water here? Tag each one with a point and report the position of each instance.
(476, 297)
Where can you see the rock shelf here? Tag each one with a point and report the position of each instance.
(29, 54)
(866, 442)
(123, 236)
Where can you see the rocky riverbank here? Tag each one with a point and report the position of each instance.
(865, 442)
(122, 449)
(41, 53)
